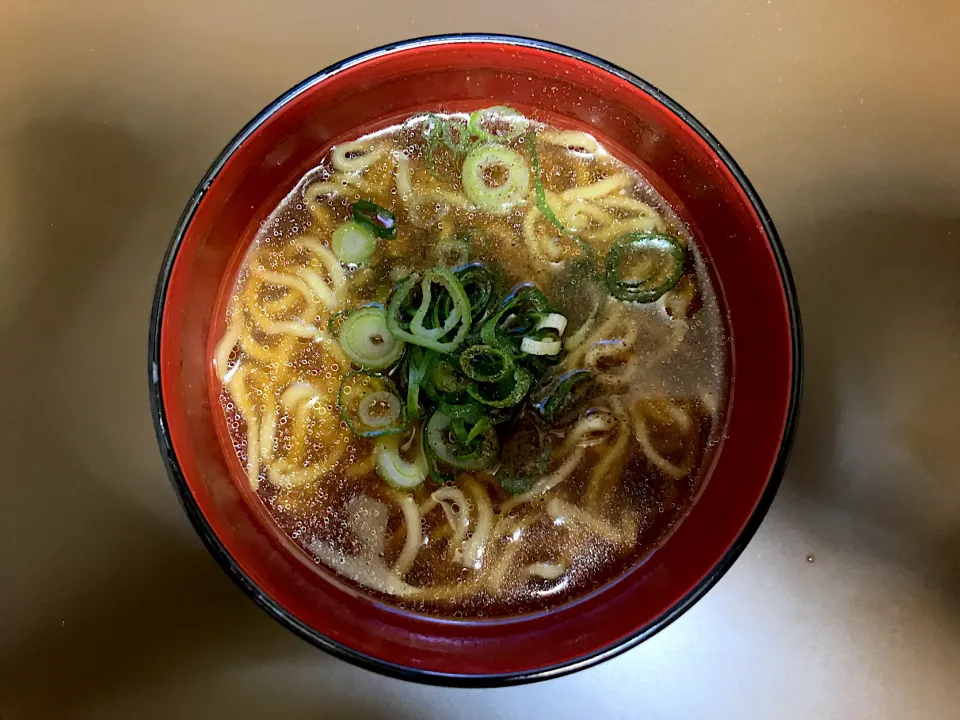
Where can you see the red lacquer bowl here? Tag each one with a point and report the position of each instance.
(568, 88)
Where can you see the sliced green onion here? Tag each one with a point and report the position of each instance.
(530, 140)
(394, 469)
(501, 194)
(552, 321)
(367, 341)
(378, 220)
(379, 409)
(477, 282)
(498, 124)
(540, 347)
(432, 135)
(467, 412)
(505, 393)
(456, 136)
(561, 402)
(478, 429)
(444, 382)
(485, 363)
(357, 408)
(452, 251)
(518, 315)
(440, 440)
(643, 266)
(353, 243)
(420, 361)
(408, 324)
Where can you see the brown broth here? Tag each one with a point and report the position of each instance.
(670, 376)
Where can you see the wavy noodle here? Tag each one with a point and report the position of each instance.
(540, 250)
(296, 328)
(356, 181)
(579, 214)
(298, 393)
(497, 576)
(368, 521)
(225, 347)
(278, 352)
(602, 477)
(364, 156)
(476, 545)
(544, 247)
(591, 429)
(680, 418)
(290, 283)
(458, 520)
(640, 223)
(414, 535)
(573, 140)
(268, 426)
(315, 193)
(546, 571)
(237, 385)
(404, 177)
(546, 483)
(417, 200)
(612, 315)
(328, 260)
(619, 349)
(283, 304)
(598, 189)
(321, 290)
(625, 202)
(569, 514)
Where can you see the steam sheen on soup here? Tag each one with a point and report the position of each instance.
(473, 364)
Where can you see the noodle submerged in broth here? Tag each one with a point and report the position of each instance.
(473, 364)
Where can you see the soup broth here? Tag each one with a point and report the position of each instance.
(473, 364)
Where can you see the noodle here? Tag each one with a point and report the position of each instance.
(598, 189)
(314, 192)
(546, 483)
(547, 571)
(495, 579)
(414, 539)
(569, 514)
(221, 355)
(591, 429)
(268, 427)
(363, 156)
(640, 223)
(643, 438)
(579, 214)
(602, 478)
(329, 261)
(320, 288)
(572, 140)
(476, 544)
(459, 520)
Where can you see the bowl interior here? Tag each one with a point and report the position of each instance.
(643, 128)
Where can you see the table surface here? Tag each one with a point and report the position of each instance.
(845, 115)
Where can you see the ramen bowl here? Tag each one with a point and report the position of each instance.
(641, 125)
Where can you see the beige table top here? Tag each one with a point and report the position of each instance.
(846, 116)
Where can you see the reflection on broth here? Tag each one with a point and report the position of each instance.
(473, 364)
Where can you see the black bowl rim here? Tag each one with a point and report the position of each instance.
(219, 552)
